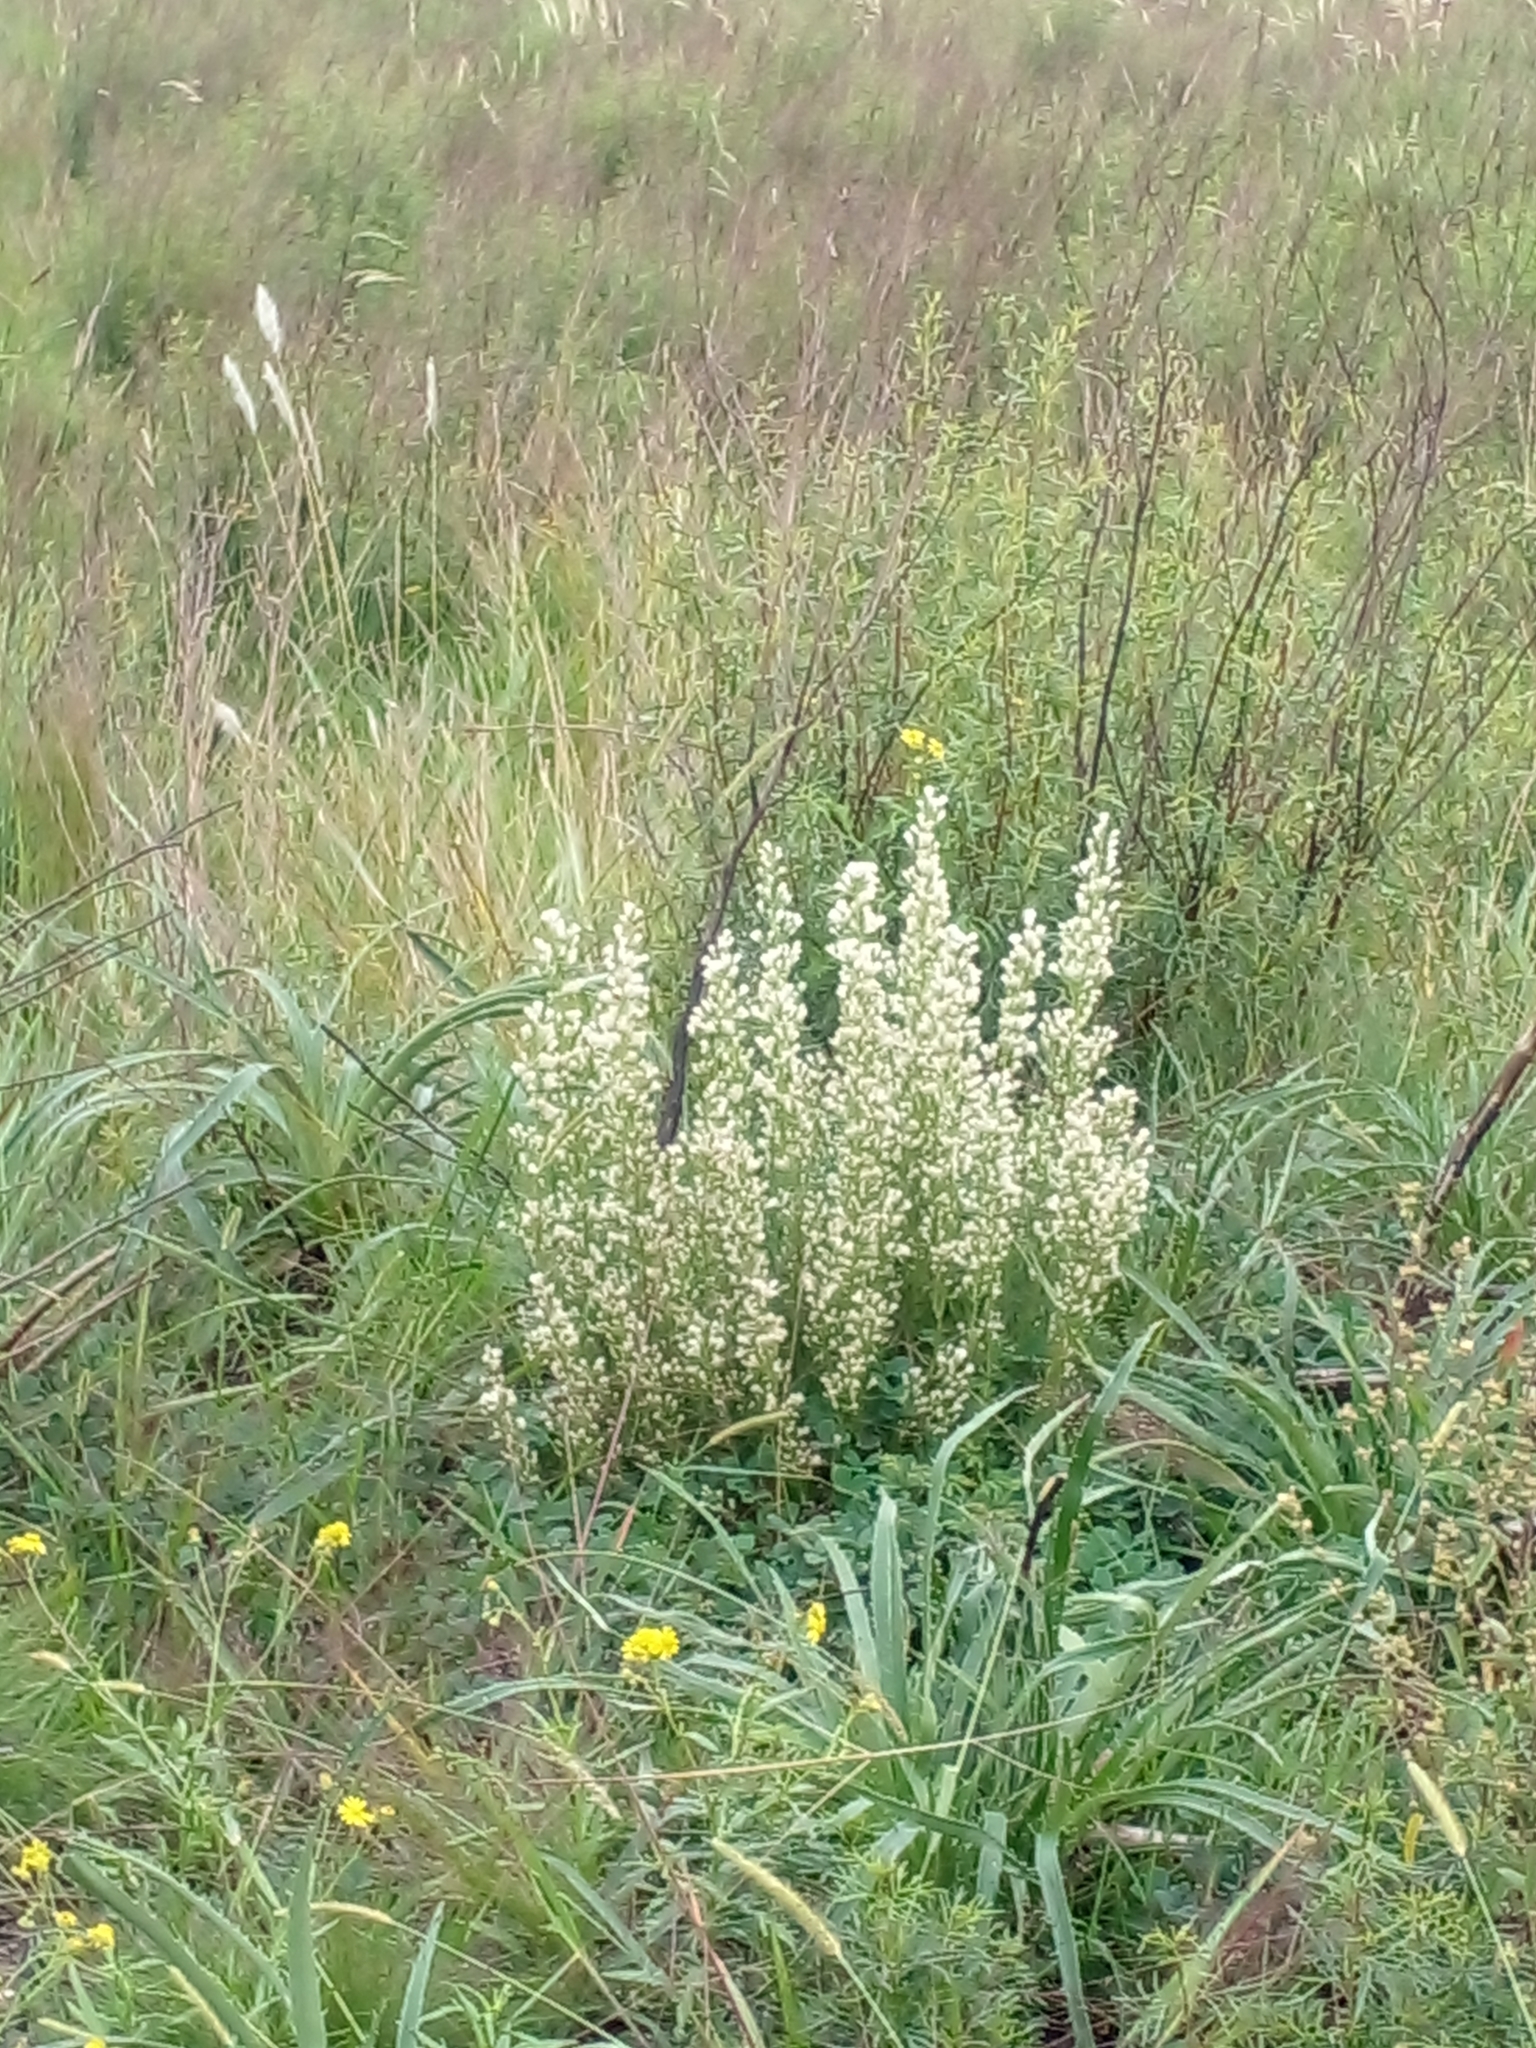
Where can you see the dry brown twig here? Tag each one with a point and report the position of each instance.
(1506, 1086)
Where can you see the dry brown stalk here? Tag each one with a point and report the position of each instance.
(1505, 1087)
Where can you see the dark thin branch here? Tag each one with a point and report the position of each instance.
(1476, 1128)
(54, 1297)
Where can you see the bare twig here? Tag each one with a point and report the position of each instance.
(52, 1298)
(1482, 1120)
(48, 1344)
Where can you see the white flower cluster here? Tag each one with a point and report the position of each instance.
(1087, 1165)
(822, 1209)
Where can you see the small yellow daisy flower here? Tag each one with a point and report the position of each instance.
(35, 1860)
(354, 1812)
(28, 1544)
(333, 1537)
(102, 1937)
(650, 1646)
(95, 2041)
(919, 742)
(815, 1621)
(66, 1920)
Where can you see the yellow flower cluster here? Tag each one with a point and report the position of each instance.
(650, 1646)
(333, 1537)
(920, 742)
(815, 1621)
(100, 1939)
(35, 1861)
(353, 1811)
(28, 1544)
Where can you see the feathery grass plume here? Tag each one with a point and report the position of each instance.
(431, 404)
(240, 392)
(225, 727)
(271, 376)
(266, 319)
(1439, 1809)
(800, 1910)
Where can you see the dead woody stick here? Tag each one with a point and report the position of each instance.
(1477, 1126)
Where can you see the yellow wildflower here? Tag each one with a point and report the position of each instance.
(354, 1812)
(35, 1860)
(333, 1537)
(650, 1645)
(815, 1621)
(95, 2041)
(919, 742)
(28, 1544)
(66, 1920)
(102, 1937)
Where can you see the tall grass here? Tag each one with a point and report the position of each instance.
(672, 411)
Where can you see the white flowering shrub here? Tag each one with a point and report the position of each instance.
(823, 1210)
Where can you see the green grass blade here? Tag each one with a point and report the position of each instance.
(171, 1950)
(261, 1966)
(989, 1861)
(888, 1608)
(938, 1477)
(1058, 1911)
(408, 2031)
(790, 2013)
(858, 1614)
(306, 2005)
(1070, 1504)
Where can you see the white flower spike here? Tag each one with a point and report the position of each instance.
(271, 376)
(267, 320)
(240, 392)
